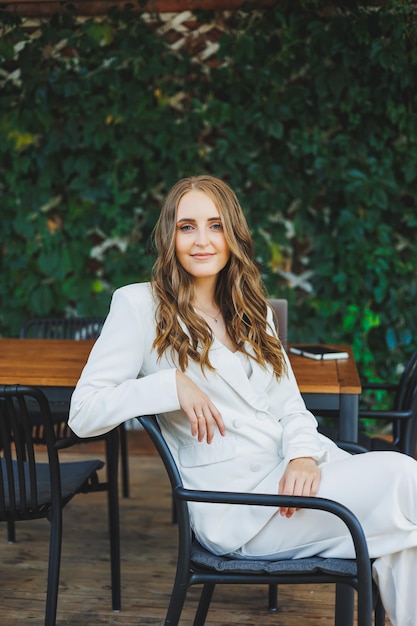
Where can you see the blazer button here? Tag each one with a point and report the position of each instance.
(255, 467)
(263, 403)
(237, 423)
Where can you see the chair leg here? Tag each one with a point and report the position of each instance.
(11, 532)
(112, 460)
(55, 545)
(379, 613)
(124, 459)
(176, 603)
(344, 610)
(204, 604)
(173, 511)
(273, 597)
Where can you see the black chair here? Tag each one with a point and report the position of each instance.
(59, 398)
(33, 488)
(402, 415)
(196, 565)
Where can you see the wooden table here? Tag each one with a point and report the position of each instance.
(58, 363)
(331, 385)
(43, 362)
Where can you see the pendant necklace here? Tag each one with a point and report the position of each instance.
(210, 316)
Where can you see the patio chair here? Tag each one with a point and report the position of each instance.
(196, 565)
(402, 415)
(280, 307)
(77, 328)
(35, 484)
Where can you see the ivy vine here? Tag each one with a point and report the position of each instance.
(309, 111)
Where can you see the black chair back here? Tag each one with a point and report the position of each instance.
(62, 328)
(405, 430)
(24, 494)
(407, 384)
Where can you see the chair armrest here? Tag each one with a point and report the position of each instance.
(350, 446)
(264, 499)
(384, 386)
(67, 442)
(386, 415)
(297, 502)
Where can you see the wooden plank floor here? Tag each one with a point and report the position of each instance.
(148, 564)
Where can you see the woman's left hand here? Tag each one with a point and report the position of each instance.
(301, 478)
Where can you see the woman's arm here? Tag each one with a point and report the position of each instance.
(109, 390)
(300, 438)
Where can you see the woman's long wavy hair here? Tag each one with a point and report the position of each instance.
(239, 291)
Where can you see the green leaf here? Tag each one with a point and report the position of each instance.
(41, 301)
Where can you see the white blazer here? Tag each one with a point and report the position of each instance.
(266, 420)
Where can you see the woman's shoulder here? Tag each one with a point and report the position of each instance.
(142, 291)
(136, 296)
(136, 299)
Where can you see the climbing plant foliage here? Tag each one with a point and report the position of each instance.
(308, 110)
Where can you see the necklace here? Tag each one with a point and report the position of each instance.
(210, 316)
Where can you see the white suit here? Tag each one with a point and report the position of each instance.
(267, 425)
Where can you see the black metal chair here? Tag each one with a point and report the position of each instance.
(196, 565)
(402, 415)
(59, 398)
(33, 488)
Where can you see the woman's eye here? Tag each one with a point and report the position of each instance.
(185, 227)
(217, 226)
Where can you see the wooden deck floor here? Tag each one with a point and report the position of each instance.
(148, 565)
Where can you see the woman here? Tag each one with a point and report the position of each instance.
(197, 346)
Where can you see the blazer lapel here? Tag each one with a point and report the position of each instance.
(229, 367)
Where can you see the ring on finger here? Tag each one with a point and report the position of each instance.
(200, 417)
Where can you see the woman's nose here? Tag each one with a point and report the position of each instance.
(201, 237)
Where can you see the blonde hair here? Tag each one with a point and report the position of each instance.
(239, 291)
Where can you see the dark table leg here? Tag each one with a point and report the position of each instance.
(348, 417)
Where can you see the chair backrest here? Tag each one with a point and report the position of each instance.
(62, 328)
(408, 428)
(407, 384)
(280, 307)
(21, 495)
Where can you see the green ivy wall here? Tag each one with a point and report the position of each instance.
(307, 110)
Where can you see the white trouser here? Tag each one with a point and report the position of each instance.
(396, 579)
(381, 489)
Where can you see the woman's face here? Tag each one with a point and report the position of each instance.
(200, 244)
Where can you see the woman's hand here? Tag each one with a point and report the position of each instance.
(301, 478)
(198, 407)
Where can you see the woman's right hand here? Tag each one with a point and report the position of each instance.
(198, 407)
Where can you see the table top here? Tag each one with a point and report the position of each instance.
(59, 362)
(43, 362)
(328, 376)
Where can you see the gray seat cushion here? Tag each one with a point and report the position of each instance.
(73, 476)
(203, 558)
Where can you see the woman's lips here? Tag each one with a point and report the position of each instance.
(202, 257)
